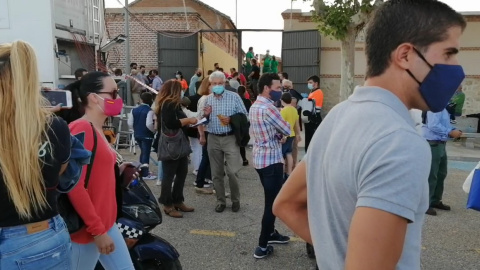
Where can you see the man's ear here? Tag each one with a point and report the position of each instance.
(403, 56)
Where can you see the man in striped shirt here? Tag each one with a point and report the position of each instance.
(269, 130)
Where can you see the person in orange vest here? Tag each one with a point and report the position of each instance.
(315, 119)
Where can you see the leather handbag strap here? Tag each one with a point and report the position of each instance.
(92, 158)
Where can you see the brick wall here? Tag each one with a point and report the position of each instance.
(143, 42)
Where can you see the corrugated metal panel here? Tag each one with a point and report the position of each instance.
(177, 54)
(301, 56)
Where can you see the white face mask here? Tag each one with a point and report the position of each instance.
(178, 77)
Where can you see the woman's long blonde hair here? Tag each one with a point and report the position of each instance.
(23, 130)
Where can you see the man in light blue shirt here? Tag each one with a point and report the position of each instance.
(193, 81)
(436, 130)
(157, 82)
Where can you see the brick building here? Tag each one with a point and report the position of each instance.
(170, 18)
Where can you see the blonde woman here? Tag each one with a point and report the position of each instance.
(35, 150)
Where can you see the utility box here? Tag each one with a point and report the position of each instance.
(66, 34)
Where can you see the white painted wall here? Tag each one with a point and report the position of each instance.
(31, 21)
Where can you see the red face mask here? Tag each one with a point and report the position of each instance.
(112, 107)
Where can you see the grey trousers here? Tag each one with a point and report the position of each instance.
(221, 149)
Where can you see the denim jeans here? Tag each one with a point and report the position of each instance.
(48, 249)
(204, 170)
(145, 149)
(86, 256)
(272, 181)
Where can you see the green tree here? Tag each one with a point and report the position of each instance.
(343, 20)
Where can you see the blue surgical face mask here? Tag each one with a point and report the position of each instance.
(310, 86)
(218, 89)
(275, 95)
(440, 84)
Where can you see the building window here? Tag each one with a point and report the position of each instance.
(96, 20)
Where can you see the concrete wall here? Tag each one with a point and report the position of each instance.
(18, 23)
(168, 15)
(214, 54)
(330, 60)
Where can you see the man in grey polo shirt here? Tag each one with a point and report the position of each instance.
(364, 177)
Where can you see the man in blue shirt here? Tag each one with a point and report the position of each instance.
(437, 130)
(193, 81)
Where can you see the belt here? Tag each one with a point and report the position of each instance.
(222, 134)
(436, 142)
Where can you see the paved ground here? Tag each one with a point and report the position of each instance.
(209, 240)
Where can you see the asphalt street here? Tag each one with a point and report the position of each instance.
(209, 240)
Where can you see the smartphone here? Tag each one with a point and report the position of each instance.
(56, 97)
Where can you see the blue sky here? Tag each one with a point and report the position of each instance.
(266, 14)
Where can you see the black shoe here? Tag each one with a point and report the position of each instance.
(277, 238)
(431, 212)
(245, 163)
(260, 254)
(235, 207)
(442, 206)
(220, 208)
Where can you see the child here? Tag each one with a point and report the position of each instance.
(289, 114)
(141, 120)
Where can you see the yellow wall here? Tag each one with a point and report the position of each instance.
(213, 54)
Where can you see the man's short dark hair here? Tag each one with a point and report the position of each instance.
(133, 64)
(284, 75)
(118, 72)
(220, 69)
(209, 72)
(142, 66)
(419, 22)
(154, 72)
(250, 48)
(254, 61)
(314, 78)
(287, 97)
(147, 98)
(79, 73)
(267, 80)
(241, 90)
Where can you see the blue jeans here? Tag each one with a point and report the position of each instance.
(204, 171)
(145, 149)
(272, 181)
(85, 256)
(48, 249)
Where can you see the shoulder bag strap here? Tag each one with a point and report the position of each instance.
(92, 158)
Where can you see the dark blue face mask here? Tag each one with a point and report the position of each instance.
(440, 84)
(275, 95)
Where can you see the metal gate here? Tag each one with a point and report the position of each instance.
(301, 56)
(177, 54)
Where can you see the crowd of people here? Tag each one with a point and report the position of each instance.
(366, 201)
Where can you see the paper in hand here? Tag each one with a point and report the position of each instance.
(200, 122)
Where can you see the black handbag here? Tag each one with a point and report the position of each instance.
(172, 144)
(72, 219)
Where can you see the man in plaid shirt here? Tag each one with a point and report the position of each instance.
(269, 130)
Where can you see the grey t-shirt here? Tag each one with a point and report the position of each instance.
(366, 153)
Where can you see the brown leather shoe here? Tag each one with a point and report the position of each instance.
(182, 207)
(171, 211)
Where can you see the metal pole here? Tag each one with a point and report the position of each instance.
(236, 13)
(291, 12)
(239, 53)
(127, 54)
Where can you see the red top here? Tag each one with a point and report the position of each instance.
(97, 206)
(243, 80)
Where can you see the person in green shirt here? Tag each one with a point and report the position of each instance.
(249, 57)
(267, 63)
(274, 65)
(455, 108)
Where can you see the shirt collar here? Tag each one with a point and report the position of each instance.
(377, 94)
(264, 99)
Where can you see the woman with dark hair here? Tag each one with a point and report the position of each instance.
(100, 239)
(169, 113)
(248, 103)
(179, 77)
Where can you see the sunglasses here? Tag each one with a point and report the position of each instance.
(113, 94)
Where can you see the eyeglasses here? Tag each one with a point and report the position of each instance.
(113, 94)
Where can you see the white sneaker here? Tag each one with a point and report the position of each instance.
(209, 181)
(204, 185)
(159, 182)
(195, 172)
(150, 177)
